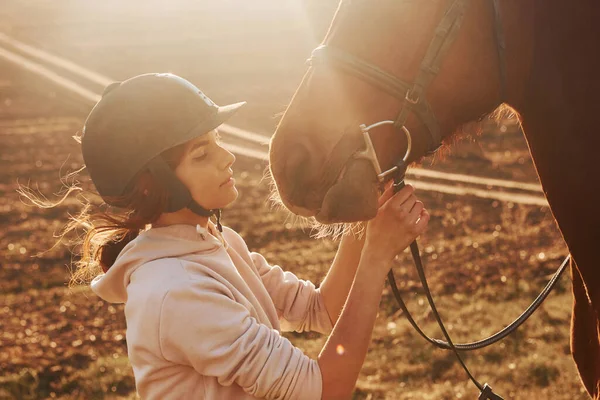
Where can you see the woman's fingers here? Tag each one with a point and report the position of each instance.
(403, 206)
(388, 192)
(422, 222)
(401, 218)
(415, 212)
(402, 196)
(403, 209)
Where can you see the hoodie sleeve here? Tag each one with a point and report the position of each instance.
(299, 304)
(203, 326)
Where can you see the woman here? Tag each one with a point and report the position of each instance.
(203, 313)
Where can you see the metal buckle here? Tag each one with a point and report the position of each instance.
(370, 154)
(410, 97)
(487, 394)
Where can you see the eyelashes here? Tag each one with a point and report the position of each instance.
(207, 152)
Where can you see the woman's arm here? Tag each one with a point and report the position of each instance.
(398, 222)
(336, 285)
(343, 355)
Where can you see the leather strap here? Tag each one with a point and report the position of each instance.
(414, 100)
(382, 80)
(179, 195)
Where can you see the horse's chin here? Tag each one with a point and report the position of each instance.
(352, 198)
(300, 211)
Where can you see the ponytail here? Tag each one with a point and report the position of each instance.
(106, 230)
(107, 254)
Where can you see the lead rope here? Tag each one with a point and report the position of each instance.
(486, 392)
(480, 344)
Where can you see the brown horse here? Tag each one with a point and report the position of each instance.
(552, 79)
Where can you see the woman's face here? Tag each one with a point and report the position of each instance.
(205, 169)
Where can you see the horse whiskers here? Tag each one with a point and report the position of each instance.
(318, 230)
(336, 231)
(274, 198)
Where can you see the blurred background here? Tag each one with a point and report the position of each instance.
(488, 251)
(232, 49)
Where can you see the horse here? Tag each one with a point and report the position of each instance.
(538, 58)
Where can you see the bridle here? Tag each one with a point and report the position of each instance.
(414, 102)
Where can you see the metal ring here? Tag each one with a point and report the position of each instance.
(366, 129)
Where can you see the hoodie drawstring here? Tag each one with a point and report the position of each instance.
(218, 215)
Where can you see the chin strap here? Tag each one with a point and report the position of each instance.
(199, 210)
(179, 195)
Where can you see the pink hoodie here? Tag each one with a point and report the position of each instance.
(204, 318)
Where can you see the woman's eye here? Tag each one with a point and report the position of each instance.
(200, 157)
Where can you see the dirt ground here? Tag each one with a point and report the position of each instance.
(486, 261)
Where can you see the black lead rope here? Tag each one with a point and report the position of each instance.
(486, 392)
(480, 344)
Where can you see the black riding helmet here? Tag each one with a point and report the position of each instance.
(138, 119)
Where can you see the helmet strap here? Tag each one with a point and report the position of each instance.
(199, 210)
(179, 195)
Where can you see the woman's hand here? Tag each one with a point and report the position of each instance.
(401, 218)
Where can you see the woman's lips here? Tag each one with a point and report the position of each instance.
(229, 181)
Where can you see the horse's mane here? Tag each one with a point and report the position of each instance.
(472, 130)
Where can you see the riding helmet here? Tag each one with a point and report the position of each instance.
(138, 119)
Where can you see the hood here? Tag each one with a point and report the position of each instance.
(172, 241)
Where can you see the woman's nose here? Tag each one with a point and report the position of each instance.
(228, 158)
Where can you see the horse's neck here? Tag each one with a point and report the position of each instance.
(561, 109)
(560, 120)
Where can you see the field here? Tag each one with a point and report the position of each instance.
(486, 260)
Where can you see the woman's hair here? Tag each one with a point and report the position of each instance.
(108, 230)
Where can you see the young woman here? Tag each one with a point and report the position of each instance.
(204, 314)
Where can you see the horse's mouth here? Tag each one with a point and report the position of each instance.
(311, 211)
(312, 207)
(352, 197)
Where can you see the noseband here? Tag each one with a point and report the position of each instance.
(414, 101)
(412, 94)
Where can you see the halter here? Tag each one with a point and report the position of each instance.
(414, 101)
(412, 94)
